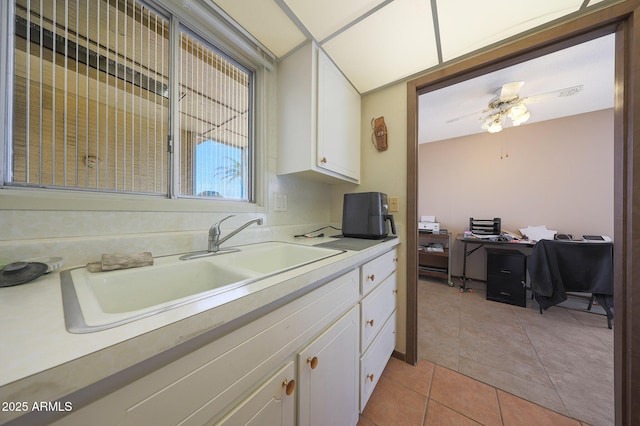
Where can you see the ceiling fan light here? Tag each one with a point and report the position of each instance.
(517, 111)
(494, 127)
(521, 119)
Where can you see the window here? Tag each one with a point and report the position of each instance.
(92, 106)
(214, 122)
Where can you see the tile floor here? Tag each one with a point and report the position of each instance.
(489, 363)
(431, 395)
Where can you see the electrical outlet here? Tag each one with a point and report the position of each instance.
(393, 204)
(279, 202)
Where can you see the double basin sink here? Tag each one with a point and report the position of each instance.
(102, 300)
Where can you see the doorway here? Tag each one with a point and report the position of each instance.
(620, 19)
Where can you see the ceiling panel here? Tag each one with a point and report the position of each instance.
(489, 21)
(396, 41)
(457, 110)
(265, 21)
(323, 18)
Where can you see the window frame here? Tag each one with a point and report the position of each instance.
(229, 40)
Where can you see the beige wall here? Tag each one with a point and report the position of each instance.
(558, 173)
(385, 172)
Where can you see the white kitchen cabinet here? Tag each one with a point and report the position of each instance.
(377, 307)
(242, 377)
(378, 320)
(375, 271)
(375, 359)
(272, 404)
(318, 118)
(207, 383)
(328, 375)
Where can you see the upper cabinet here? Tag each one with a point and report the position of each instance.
(318, 118)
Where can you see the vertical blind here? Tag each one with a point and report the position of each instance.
(91, 98)
(214, 121)
(92, 110)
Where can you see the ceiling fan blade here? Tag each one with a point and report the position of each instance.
(562, 93)
(473, 114)
(510, 90)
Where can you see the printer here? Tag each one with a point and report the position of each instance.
(429, 224)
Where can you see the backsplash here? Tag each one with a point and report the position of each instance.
(81, 236)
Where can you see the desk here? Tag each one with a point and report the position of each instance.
(484, 242)
(557, 267)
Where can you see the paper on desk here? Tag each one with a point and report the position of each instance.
(537, 233)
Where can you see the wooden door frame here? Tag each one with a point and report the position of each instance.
(623, 19)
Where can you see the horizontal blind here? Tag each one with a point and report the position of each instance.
(91, 97)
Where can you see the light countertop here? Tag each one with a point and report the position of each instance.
(41, 361)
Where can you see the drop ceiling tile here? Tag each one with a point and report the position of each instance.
(265, 21)
(392, 43)
(323, 18)
(489, 21)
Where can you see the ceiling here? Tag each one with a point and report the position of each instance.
(379, 42)
(457, 110)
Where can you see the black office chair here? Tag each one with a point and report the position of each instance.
(558, 267)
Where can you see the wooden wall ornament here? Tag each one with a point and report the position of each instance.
(379, 134)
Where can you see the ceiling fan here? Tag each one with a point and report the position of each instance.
(508, 103)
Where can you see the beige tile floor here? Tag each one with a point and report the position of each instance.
(488, 363)
(431, 395)
(562, 359)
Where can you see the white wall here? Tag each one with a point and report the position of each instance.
(558, 173)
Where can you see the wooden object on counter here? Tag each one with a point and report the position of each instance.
(111, 262)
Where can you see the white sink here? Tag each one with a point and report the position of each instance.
(102, 300)
(134, 289)
(271, 258)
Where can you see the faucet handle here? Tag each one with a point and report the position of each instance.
(217, 224)
(214, 231)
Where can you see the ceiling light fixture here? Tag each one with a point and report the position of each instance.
(513, 108)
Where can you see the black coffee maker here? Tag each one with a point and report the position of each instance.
(365, 215)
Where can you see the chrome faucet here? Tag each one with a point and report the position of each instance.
(214, 233)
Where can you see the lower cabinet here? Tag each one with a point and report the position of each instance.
(272, 404)
(375, 359)
(303, 363)
(328, 375)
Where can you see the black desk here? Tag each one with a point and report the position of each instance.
(558, 267)
(484, 242)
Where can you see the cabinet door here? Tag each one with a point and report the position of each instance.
(338, 131)
(272, 404)
(328, 375)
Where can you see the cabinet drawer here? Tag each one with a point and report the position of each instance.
(375, 359)
(376, 308)
(506, 262)
(375, 271)
(506, 290)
